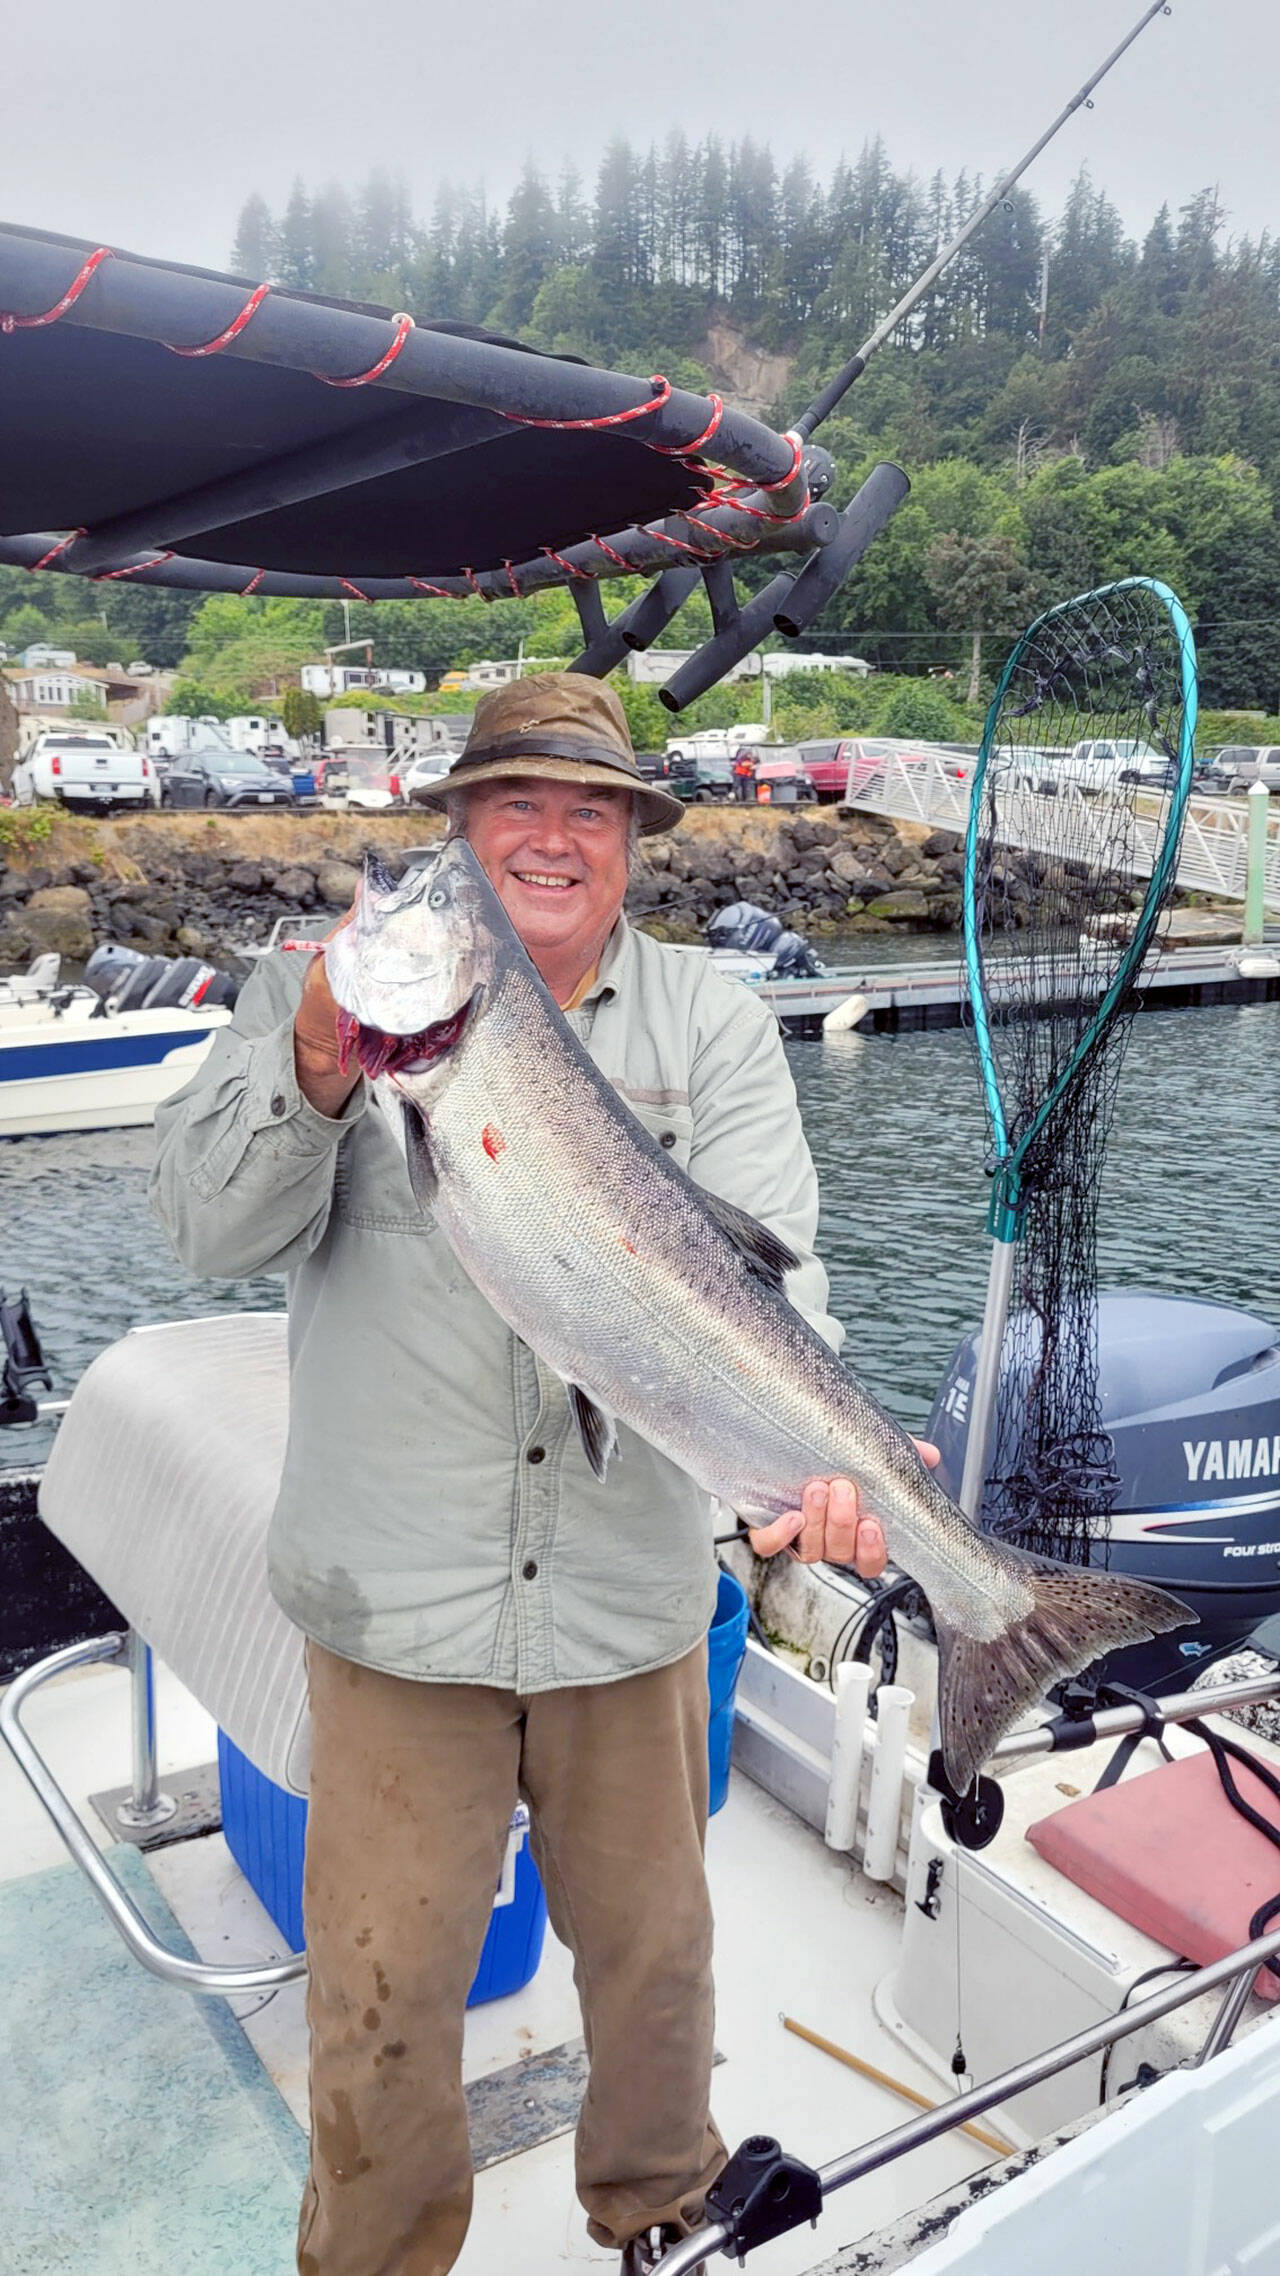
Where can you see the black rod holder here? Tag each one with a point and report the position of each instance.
(725, 649)
(862, 520)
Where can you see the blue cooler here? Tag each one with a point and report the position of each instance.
(726, 1650)
(266, 1831)
(266, 1827)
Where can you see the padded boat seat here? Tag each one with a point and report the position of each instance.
(161, 1483)
(1167, 1852)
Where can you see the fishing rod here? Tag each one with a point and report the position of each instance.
(824, 404)
(790, 602)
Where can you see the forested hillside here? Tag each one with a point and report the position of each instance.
(1072, 404)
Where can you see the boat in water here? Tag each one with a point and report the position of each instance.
(101, 1053)
(992, 1965)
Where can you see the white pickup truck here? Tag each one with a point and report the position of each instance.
(85, 769)
(1110, 763)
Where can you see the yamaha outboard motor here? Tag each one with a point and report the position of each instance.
(1190, 1395)
(136, 982)
(748, 928)
(793, 959)
(742, 925)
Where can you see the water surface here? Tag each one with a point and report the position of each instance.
(1190, 1201)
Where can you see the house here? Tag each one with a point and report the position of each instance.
(45, 695)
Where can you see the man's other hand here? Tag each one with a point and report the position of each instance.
(830, 1528)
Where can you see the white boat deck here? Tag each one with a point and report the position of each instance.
(113, 2070)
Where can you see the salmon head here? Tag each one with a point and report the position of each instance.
(408, 969)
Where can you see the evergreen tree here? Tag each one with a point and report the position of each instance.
(295, 259)
(255, 253)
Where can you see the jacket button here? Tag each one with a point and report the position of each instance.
(529, 1571)
(536, 1454)
(668, 1138)
(278, 1104)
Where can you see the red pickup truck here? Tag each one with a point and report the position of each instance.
(854, 762)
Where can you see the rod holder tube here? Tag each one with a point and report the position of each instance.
(862, 521)
(725, 649)
(853, 1690)
(884, 1796)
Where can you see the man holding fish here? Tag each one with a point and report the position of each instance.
(537, 1314)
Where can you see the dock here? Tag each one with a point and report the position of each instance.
(899, 998)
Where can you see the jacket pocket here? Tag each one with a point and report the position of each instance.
(672, 1126)
(371, 1186)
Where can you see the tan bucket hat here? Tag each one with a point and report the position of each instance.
(562, 725)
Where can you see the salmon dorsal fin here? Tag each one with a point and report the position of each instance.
(597, 1430)
(768, 1257)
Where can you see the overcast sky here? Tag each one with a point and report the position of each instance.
(145, 124)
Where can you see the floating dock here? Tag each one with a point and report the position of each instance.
(899, 997)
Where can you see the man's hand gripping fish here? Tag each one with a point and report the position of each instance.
(661, 1306)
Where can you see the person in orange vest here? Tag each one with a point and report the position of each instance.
(744, 775)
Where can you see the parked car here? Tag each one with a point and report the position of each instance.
(423, 774)
(1237, 766)
(85, 771)
(213, 775)
(1098, 764)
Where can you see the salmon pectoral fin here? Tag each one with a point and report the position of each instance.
(597, 1430)
(417, 1151)
(1078, 1613)
(769, 1258)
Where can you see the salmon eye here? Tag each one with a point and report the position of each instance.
(437, 899)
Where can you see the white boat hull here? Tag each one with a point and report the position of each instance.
(83, 1073)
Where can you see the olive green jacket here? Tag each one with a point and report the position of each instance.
(437, 1517)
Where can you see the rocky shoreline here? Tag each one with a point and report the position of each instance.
(173, 885)
(213, 885)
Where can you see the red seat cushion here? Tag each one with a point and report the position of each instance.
(1167, 1852)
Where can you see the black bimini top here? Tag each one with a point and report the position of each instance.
(179, 427)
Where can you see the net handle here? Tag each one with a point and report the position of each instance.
(1009, 1160)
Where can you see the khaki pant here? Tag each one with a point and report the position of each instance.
(412, 1789)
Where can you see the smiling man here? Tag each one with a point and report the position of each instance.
(485, 1619)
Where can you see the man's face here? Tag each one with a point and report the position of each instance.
(556, 855)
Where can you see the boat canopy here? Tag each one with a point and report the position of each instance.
(178, 427)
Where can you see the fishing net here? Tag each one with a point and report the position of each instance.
(1071, 858)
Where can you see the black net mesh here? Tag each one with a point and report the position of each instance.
(1073, 865)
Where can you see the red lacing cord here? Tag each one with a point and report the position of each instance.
(434, 592)
(131, 569)
(11, 323)
(570, 568)
(404, 326)
(253, 583)
(55, 550)
(661, 396)
(689, 450)
(354, 591)
(609, 554)
(215, 346)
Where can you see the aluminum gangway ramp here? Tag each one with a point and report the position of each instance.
(910, 786)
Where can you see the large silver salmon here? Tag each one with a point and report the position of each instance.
(662, 1306)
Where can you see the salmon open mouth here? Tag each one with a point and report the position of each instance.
(378, 1054)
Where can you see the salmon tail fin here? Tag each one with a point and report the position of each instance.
(1077, 1613)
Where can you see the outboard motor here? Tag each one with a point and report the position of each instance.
(1190, 1394)
(136, 982)
(743, 925)
(793, 959)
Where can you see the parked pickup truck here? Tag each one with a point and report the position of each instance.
(1099, 764)
(86, 771)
